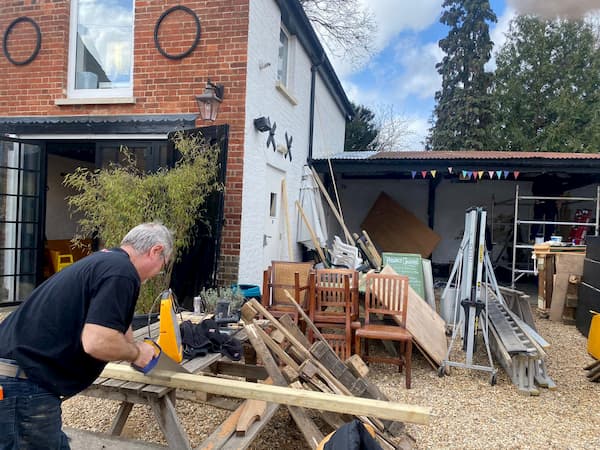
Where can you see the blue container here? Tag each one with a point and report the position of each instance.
(247, 290)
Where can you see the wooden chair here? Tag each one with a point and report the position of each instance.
(334, 305)
(290, 276)
(386, 294)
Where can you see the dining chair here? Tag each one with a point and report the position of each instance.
(281, 276)
(386, 295)
(334, 307)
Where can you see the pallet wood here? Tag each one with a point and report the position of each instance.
(252, 411)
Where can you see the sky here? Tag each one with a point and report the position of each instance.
(401, 76)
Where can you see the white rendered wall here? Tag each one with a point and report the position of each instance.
(263, 98)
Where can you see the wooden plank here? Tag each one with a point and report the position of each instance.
(357, 366)
(277, 394)
(253, 410)
(396, 229)
(293, 329)
(425, 324)
(311, 433)
(559, 293)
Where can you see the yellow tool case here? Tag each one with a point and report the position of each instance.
(593, 347)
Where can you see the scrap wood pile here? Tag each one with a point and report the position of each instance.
(291, 360)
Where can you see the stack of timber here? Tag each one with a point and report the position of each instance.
(291, 360)
(517, 346)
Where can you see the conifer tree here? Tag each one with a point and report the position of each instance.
(462, 115)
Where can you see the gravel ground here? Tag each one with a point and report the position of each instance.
(468, 412)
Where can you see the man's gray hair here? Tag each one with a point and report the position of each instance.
(146, 235)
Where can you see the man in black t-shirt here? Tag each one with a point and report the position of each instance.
(60, 338)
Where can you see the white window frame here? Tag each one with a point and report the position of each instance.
(112, 93)
(286, 87)
(284, 78)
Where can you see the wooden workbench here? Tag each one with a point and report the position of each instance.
(161, 399)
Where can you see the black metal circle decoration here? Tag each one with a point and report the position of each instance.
(196, 38)
(38, 41)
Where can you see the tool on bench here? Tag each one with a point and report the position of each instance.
(169, 338)
(160, 361)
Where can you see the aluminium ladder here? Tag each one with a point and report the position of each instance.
(518, 272)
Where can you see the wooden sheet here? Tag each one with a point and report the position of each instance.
(425, 324)
(395, 229)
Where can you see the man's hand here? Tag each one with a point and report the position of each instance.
(146, 353)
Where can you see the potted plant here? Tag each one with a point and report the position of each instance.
(113, 200)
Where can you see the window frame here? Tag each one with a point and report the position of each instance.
(97, 93)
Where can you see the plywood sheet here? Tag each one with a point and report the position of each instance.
(395, 229)
(425, 324)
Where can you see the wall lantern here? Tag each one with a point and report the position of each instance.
(210, 101)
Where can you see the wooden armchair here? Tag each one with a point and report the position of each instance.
(334, 305)
(387, 295)
(290, 276)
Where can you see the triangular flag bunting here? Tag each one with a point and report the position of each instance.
(449, 169)
(469, 173)
(413, 173)
(491, 174)
(516, 174)
(505, 173)
(433, 172)
(424, 173)
(464, 174)
(499, 173)
(480, 173)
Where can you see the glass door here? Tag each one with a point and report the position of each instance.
(21, 245)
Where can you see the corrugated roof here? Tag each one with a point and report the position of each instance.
(480, 155)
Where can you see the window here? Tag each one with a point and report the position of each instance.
(101, 49)
(282, 63)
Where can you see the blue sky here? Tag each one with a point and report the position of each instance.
(401, 75)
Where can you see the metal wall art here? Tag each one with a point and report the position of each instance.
(196, 38)
(38, 41)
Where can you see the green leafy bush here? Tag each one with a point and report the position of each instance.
(113, 200)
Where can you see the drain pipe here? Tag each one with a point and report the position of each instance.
(311, 119)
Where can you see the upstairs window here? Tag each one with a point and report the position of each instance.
(282, 63)
(101, 48)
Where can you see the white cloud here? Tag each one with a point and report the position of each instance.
(498, 35)
(419, 75)
(551, 8)
(393, 17)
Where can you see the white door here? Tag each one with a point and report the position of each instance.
(272, 233)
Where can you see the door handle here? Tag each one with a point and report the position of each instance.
(265, 237)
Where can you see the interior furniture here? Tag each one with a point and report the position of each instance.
(334, 307)
(281, 276)
(386, 295)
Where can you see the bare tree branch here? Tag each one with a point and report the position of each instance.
(394, 132)
(345, 26)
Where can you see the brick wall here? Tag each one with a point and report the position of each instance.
(161, 85)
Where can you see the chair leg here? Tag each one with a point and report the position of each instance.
(407, 361)
(357, 345)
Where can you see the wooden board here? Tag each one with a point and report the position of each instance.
(395, 229)
(426, 325)
(409, 264)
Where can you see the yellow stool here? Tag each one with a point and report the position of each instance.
(62, 260)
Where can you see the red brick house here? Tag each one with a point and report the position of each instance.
(82, 77)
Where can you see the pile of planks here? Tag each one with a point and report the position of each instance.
(290, 360)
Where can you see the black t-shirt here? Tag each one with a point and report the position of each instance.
(44, 334)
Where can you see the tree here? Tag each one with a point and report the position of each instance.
(462, 114)
(547, 87)
(361, 131)
(111, 201)
(394, 132)
(346, 27)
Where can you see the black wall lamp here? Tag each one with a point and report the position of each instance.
(210, 101)
(262, 124)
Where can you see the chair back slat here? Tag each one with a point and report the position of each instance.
(386, 294)
(335, 288)
(281, 276)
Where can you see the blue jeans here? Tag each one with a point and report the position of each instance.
(30, 417)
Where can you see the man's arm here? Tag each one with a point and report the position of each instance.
(107, 344)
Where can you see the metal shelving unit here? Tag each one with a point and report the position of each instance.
(519, 272)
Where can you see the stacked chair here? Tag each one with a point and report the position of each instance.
(281, 276)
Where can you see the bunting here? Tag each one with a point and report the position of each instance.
(433, 172)
(413, 173)
(424, 173)
(491, 174)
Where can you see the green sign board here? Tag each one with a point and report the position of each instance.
(409, 264)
